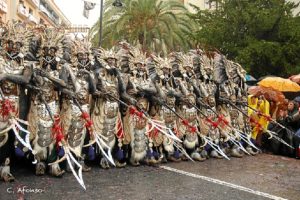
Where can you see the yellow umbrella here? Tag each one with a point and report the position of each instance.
(280, 84)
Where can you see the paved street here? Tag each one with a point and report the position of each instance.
(261, 177)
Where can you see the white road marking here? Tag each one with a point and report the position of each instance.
(238, 187)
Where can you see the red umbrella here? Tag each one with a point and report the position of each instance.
(269, 93)
(295, 78)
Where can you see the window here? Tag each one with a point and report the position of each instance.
(30, 11)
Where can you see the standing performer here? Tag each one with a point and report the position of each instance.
(75, 109)
(163, 109)
(106, 114)
(136, 128)
(14, 72)
(44, 107)
(187, 109)
(237, 77)
(227, 92)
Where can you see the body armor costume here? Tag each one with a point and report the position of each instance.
(75, 110)
(207, 101)
(188, 109)
(237, 79)
(226, 91)
(161, 110)
(136, 128)
(14, 71)
(158, 102)
(44, 105)
(106, 114)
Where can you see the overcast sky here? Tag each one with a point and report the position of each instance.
(73, 11)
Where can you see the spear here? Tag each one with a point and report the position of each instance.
(244, 138)
(268, 117)
(214, 146)
(67, 149)
(96, 138)
(156, 125)
(267, 131)
(15, 124)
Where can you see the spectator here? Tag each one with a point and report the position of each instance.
(293, 116)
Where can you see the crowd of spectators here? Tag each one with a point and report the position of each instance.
(283, 119)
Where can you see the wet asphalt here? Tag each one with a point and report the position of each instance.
(275, 175)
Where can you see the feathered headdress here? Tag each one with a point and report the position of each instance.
(81, 45)
(51, 37)
(16, 32)
(187, 61)
(136, 56)
(162, 62)
(106, 54)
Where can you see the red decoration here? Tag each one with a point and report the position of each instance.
(177, 133)
(57, 130)
(134, 111)
(7, 107)
(120, 132)
(88, 122)
(153, 133)
(214, 124)
(193, 129)
(222, 118)
(185, 122)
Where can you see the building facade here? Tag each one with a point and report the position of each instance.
(202, 4)
(297, 10)
(210, 5)
(33, 12)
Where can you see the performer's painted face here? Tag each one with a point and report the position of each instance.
(175, 67)
(124, 63)
(166, 71)
(189, 71)
(233, 98)
(49, 57)
(143, 103)
(111, 62)
(83, 58)
(234, 114)
(141, 68)
(170, 101)
(192, 101)
(49, 52)
(13, 47)
(165, 74)
(211, 101)
(208, 71)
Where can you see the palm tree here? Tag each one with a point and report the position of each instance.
(157, 25)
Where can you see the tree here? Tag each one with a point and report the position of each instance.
(262, 35)
(157, 25)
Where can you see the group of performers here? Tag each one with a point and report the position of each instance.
(64, 101)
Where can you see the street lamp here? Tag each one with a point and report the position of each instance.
(116, 3)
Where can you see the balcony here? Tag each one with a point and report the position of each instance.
(22, 11)
(3, 6)
(35, 3)
(32, 19)
(48, 13)
(44, 10)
